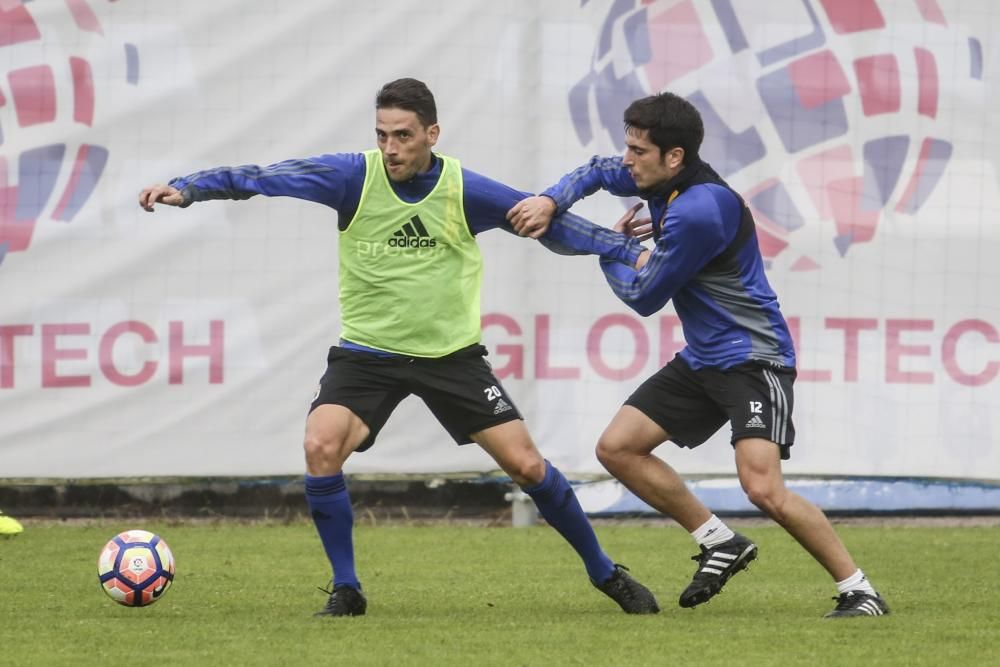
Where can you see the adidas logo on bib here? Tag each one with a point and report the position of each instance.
(756, 422)
(413, 234)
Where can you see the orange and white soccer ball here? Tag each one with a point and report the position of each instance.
(135, 568)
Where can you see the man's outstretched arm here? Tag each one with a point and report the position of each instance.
(325, 180)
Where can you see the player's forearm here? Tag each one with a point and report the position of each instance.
(304, 179)
(195, 192)
(569, 234)
(601, 173)
(645, 291)
(220, 183)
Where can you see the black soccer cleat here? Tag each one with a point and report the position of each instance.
(858, 603)
(715, 567)
(631, 596)
(344, 601)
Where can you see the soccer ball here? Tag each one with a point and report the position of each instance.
(135, 568)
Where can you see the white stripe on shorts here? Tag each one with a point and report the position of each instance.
(779, 408)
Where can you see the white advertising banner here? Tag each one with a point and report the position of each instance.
(864, 134)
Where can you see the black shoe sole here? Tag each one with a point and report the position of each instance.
(855, 613)
(652, 609)
(706, 594)
(862, 614)
(323, 614)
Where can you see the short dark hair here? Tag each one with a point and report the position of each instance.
(410, 95)
(671, 122)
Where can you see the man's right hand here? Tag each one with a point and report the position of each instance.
(164, 194)
(640, 229)
(531, 216)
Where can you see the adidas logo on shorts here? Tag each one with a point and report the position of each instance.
(501, 406)
(756, 422)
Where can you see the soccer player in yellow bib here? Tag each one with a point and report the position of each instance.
(408, 219)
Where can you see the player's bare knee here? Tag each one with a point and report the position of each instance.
(610, 451)
(767, 498)
(605, 455)
(325, 455)
(528, 471)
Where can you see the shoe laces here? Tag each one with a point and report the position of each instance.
(701, 557)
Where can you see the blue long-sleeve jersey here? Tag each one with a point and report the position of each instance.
(706, 259)
(336, 180)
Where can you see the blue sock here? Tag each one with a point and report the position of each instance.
(558, 505)
(330, 506)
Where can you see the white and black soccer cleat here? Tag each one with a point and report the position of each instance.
(715, 566)
(858, 603)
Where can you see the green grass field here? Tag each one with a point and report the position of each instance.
(470, 595)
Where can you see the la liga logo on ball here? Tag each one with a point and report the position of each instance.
(824, 114)
(135, 568)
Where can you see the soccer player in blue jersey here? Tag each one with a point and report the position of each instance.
(739, 362)
(408, 220)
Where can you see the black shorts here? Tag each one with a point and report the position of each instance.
(460, 389)
(754, 397)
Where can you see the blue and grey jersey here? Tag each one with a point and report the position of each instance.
(336, 180)
(706, 259)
